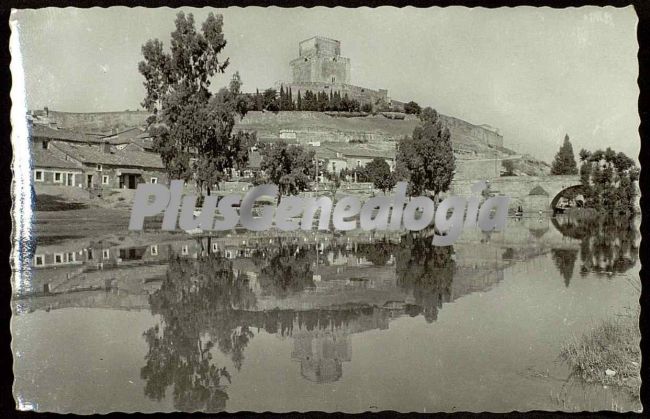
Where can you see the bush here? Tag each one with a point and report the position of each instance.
(412, 108)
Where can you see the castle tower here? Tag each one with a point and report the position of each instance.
(319, 61)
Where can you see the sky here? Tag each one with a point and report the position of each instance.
(534, 73)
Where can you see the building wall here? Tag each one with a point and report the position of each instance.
(319, 60)
(336, 165)
(49, 177)
(109, 176)
(359, 161)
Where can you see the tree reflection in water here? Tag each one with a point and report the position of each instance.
(285, 269)
(205, 304)
(607, 245)
(195, 303)
(427, 271)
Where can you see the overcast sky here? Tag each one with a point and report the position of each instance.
(534, 73)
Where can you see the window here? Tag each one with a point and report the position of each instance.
(70, 257)
(99, 167)
(154, 180)
(215, 247)
(38, 260)
(38, 175)
(58, 258)
(57, 177)
(45, 144)
(106, 253)
(154, 250)
(358, 163)
(185, 250)
(104, 180)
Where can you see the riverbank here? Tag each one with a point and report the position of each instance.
(609, 354)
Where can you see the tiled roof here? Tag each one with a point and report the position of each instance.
(324, 153)
(359, 150)
(46, 159)
(125, 136)
(95, 155)
(42, 131)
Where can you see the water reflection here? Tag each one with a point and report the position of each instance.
(608, 245)
(208, 304)
(212, 297)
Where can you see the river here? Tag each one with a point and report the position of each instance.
(349, 322)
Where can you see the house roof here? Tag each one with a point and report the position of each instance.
(324, 153)
(124, 136)
(95, 155)
(42, 131)
(46, 159)
(359, 150)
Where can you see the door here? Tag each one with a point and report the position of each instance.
(89, 181)
(132, 182)
(70, 181)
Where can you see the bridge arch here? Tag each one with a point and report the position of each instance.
(570, 191)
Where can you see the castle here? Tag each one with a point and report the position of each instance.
(321, 68)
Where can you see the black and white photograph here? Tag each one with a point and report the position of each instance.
(269, 209)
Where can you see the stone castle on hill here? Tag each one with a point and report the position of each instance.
(321, 68)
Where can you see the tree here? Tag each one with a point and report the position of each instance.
(192, 128)
(270, 100)
(412, 108)
(426, 159)
(379, 173)
(608, 181)
(290, 167)
(565, 161)
(509, 166)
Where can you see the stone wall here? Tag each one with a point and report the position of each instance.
(321, 69)
(98, 121)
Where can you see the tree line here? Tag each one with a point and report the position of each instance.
(285, 100)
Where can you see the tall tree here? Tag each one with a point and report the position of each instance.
(290, 167)
(270, 100)
(380, 175)
(192, 128)
(565, 161)
(426, 159)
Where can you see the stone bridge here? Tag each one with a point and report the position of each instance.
(532, 193)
